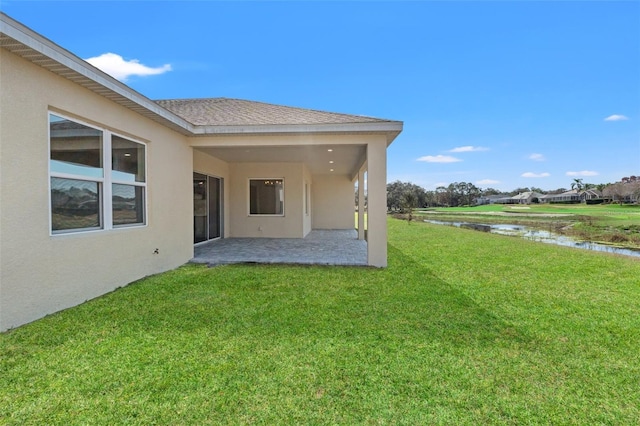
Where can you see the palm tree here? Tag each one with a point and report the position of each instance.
(577, 184)
(409, 202)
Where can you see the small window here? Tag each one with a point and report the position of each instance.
(266, 197)
(127, 160)
(75, 204)
(128, 204)
(76, 149)
(128, 176)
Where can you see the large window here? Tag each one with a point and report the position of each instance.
(266, 197)
(98, 179)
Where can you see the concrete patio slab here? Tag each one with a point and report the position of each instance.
(320, 247)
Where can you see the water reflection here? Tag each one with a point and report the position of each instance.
(542, 236)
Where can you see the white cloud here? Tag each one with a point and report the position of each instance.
(535, 175)
(487, 182)
(439, 159)
(469, 148)
(616, 117)
(537, 157)
(117, 67)
(583, 173)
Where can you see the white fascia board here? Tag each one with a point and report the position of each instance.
(47, 48)
(377, 127)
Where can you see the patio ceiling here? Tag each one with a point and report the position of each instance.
(346, 159)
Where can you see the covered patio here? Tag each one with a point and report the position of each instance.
(280, 172)
(319, 247)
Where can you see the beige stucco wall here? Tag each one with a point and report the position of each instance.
(40, 273)
(377, 203)
(333, 202)
(242, 225)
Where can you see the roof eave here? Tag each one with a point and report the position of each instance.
(42, 51)
(39, 50)
(391, 128)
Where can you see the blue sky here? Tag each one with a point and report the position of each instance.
(500, 94)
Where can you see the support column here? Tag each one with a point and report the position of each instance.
(361, 203)
(377, 203)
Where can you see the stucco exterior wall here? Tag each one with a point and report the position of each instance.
(40, 273)
(242, 225)
(377, 203)
(333, 202)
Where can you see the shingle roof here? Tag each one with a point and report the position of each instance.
(238, 112)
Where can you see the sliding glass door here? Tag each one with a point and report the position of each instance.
(207, 207)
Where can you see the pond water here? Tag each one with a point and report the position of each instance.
(539, 235)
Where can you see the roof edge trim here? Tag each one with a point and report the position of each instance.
(127, 97)
(383, 127)
(48, 48)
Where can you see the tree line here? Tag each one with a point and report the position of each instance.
(404, 195)
(401, 195)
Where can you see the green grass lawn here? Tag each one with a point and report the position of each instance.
(462, 328)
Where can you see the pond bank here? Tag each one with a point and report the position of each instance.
(539, 235)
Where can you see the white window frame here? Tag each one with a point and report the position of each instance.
(122, 182)
(105, 182)
(249, 198)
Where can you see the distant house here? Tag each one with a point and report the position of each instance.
(102, 186)
(625, 191)
(572, 196)
(505, 200)
(522, 198)
(527, 197)
(489, 199)
(590, 195)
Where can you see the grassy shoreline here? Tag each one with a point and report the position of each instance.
(614, 225)
(462, 328)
